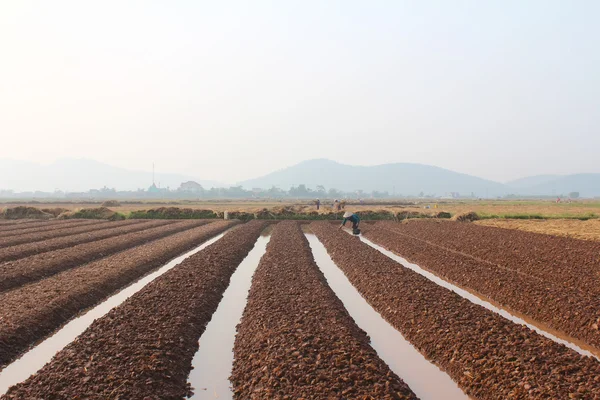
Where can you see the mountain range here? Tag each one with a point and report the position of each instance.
(413, 179)
(80, 175)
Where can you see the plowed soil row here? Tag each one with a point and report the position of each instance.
(296, 340)
(488, 356)
(28, 249)
(574, 312)
(22, 229)
(570, 263)
(26, 270)
(143, 349)
(9, 224)
(31, 312)
(63, 231)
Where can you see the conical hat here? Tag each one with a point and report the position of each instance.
(347, 214)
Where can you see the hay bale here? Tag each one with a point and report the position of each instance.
(24, 212)
(466, 217)
(174, 213)
(111, 203)
(56, 211)
(442, 214)
(92, 213)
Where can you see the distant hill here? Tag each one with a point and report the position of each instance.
(399, 178)
(80, 175)
(530, 181)
(588, 185)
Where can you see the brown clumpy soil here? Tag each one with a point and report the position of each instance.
(26, 270)
(47, 233)
(565, 261)
(31, 312)
(23, 229)
(488, 356)
(296, 340)
(11, 225)
(143, 349)
(36, 247)
(553, 280)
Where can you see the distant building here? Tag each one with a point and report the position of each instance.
(191, 187)
(153, 189)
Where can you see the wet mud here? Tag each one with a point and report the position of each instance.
(143, 349)
(7, 235)
(31, 312)
(488, 356)
(296, 340)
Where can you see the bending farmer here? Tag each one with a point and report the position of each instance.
(348, 216)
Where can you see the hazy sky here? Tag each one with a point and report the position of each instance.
(230, 90)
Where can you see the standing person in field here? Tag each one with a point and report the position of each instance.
(318, 202)
(348, 216)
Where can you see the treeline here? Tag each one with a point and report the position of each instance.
(196, 191)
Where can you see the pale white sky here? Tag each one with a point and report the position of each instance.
(230, 90)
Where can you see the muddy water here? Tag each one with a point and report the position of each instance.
(36, 358)
(423, 377)
(214, 359)
(521, 320)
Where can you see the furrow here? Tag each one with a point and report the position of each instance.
(574, 312)
(296, 340)
(31, 312)
(143, 348)
(488, 356)
(27, 249)
(26, 270)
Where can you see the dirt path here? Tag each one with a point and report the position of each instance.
(31, 312)
(296, 340)
(487, 355)
(143, 348)
(573, 311)
(26, 270)
(27, 249)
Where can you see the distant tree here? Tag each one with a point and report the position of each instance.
(334, 193)
(379, 195)
(421, 194)
(275, 192)
(321, 191)
(574, 195)
(300, 191)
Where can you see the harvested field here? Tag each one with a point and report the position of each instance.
(29, 269)
(115, 229)
(37, 226)
(143, 348)
(20, 237)
(585, 230)
(487, 355)
(296, 339)
(31, 312)
(560, 289)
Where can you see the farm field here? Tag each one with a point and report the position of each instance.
(485, 312)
